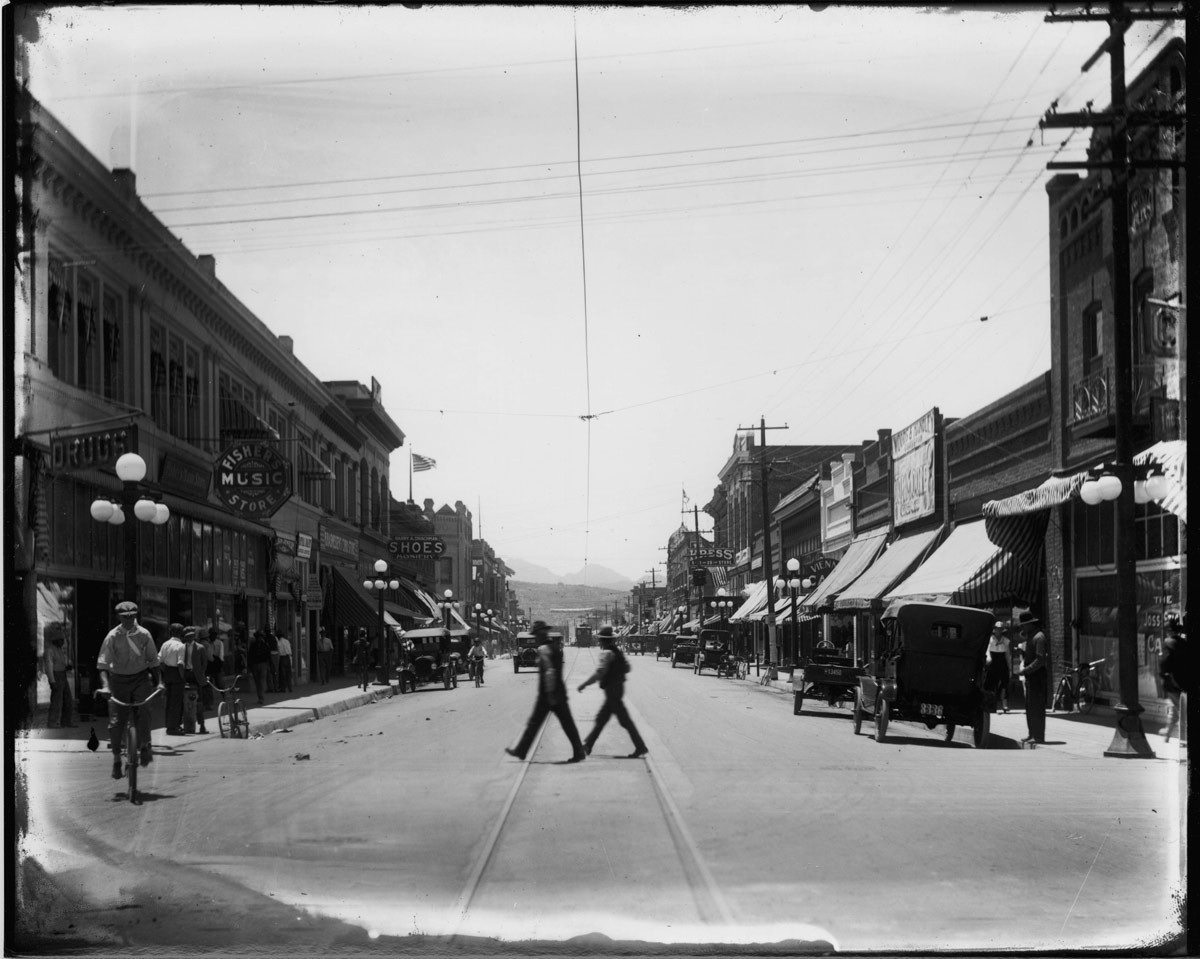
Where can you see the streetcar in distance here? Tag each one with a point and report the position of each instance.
(583, 636)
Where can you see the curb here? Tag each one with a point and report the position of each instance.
(296, 714)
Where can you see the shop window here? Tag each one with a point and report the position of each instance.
(206, 554)
(197, 564)
(227, 558)
(1157, 535)
(219, 556)
(60, 309)
(1144, 313)
(1093, 337)
(1094, 534)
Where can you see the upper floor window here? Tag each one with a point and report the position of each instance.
(87, 335)
(112, 361)
(1093, 335)
(158, 376)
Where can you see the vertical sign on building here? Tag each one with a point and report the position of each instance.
(914, 470)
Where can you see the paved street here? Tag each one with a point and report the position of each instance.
(745, 824)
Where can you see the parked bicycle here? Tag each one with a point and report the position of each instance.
(132, 741)
(232, 720)
(1077, 688)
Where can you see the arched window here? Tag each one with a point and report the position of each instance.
(374, 521)
(385, 525)
(364, 495)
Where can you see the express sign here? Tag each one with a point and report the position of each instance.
(253, 479)
(416, 547)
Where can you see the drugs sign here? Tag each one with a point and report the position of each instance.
(253, 479)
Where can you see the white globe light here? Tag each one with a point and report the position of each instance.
(449, 593)
(794, 583)
(1139, 492)
(118, 515)
(101, 510)
(1156, 486)
(394, 584)
(144, 509)
(131, 468)
(381, 565)
(1110, 486)
(1089, 492)
(162, 513)
(793, 564)
(380, 584)
(479, 607)
(367, 584)
(490, 613)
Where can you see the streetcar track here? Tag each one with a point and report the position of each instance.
(711, 904)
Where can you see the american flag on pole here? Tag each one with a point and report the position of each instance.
(421, 463)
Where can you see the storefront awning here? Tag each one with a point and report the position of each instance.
(755, 600)
(239, 422)
(1171, 457)
(968, 569)
(858, 556)
(891, 566)
(351, 605)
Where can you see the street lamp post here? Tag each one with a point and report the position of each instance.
(379, 585)
(682, 616)
(131, 470)
(793, 567)
(446, 605)
(809, 583)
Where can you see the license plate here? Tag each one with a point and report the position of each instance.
(931, 709)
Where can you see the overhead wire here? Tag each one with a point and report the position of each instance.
(587, 363)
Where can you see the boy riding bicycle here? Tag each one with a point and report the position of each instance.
(128, 665)
(475, 657)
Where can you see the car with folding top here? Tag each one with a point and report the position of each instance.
(429, 655)
(683, 650)
(713, 651)
(929, 670)
(829, 674)
(662, 645)
(526, 652)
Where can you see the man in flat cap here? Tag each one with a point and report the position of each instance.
(129, 669)
(170, 658)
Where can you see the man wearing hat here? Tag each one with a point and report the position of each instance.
(195, 672)
(170, 658)
(128, 666)
(610, 674)
(551, 698)
(1035, 669)
(56, 666)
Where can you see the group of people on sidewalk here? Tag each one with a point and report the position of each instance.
(269, 657)
(610, 673)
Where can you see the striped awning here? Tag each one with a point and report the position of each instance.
(859, 555)
(895, 563)
(1171, 457)
(1054, 492)
(968, 569)
(757, 599)
(309, 464)
(239, 422)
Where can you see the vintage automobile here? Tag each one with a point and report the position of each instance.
(662, 645)
(526, 651)
(713, 651)
(683, 650)
(636, 643)
(428, 657)
(930, 671)
(829, 675)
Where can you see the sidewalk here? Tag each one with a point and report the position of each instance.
(1069, 733)
(281, 711)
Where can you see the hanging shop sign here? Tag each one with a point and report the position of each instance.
(303, 546)
(252, 479)
(91, 450)
(711, 555)
(417, 547)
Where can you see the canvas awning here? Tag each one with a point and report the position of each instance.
(240, 422)
(1171, 457)
(891, 566)
(756, 600)
(858, 556)
(352, 606)
(968, 569)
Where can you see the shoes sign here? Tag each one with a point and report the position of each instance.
(253, 479)
(416, 547)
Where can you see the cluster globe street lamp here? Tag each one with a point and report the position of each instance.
(722, 605)
(379, 585)
(682, 616)
(481, 613)
(131, 470)
(793, 568)
(446, 604)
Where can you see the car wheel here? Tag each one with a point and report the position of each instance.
(858, 712)
(797, 702)
(672, 662)
(983, 726)
(882, 714)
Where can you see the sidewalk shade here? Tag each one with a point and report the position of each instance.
(753, 602)
(966, 563)
(858, 556)
(895, 563)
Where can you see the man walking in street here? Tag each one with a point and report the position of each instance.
(551, 698)
(1035, 669)
(170, 657)
(56, 666)
(610, 674)
(128, 667)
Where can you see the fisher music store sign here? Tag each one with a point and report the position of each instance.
(253, 479)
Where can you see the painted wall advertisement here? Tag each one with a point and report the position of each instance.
(914, 470)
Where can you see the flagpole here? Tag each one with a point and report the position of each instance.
(410, 499)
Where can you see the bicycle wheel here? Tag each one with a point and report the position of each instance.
(1086, 696)
(131, 758)
(223, 719)
(1063, 697)
(240, 723)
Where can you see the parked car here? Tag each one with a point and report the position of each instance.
(428, 657)
(830, 675)
(930, 671)
(636, 643)
(683, 650)
(713, 651)
(663, 643)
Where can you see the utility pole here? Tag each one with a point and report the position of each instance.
(1129, 739)
(772, 649)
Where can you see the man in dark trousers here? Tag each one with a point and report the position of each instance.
(1035, 668)
(1174, 668)
(552, 696)
(258, 656)
(195, 662)
(610, 674)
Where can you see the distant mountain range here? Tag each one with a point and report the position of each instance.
(599, 576)
(562, 604)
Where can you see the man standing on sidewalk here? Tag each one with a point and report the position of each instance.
(195, 667)
(171, 657)
(324, 655)
(1035, 670)
(258, 658)
(610, 674)
(56, 666)
(284, 679)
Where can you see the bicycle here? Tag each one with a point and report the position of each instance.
(475, 670)
(232, 721)
(132, 745)
(1077, 688)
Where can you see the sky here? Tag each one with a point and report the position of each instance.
(581, 248)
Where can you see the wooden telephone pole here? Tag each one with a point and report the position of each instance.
(772, 646)
(1129, 739)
